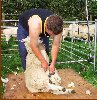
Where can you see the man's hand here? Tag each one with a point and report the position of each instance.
(51, 69)
(44, 65)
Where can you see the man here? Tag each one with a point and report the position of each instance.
(41, 23)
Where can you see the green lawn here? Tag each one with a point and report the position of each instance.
(12, 63)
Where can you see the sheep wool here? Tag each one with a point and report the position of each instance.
(8, 32)
(36, 78)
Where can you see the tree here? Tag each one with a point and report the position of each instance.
(68, 9)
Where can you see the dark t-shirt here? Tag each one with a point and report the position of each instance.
(42, 13)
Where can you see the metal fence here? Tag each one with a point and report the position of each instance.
(72, 49)
(79, 50)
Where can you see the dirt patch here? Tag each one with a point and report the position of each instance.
(16, 89)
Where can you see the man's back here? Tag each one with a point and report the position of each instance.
(42, 13)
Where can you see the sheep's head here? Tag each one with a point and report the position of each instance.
(55, 79)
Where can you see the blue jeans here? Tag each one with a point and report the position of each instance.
(21, 34)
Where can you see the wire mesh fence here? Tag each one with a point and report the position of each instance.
(74, 51)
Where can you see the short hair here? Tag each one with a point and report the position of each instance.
(55, 24)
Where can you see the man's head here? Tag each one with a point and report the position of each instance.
(54, 25)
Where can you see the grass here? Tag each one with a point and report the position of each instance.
(76, 51)
(12, 62)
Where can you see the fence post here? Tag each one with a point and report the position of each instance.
(95, 37)
(3, 18)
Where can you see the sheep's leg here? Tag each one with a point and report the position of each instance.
(7, 38)
(56, 89)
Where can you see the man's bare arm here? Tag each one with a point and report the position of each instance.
(54, 51)
(34, 31)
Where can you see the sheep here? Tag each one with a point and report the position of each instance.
(8, 32)
(91, 31)
(64, 33)
(73, 30)
(82, 33)
(36, 79)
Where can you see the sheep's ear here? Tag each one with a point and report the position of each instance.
(50, 81)
(49, 75)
